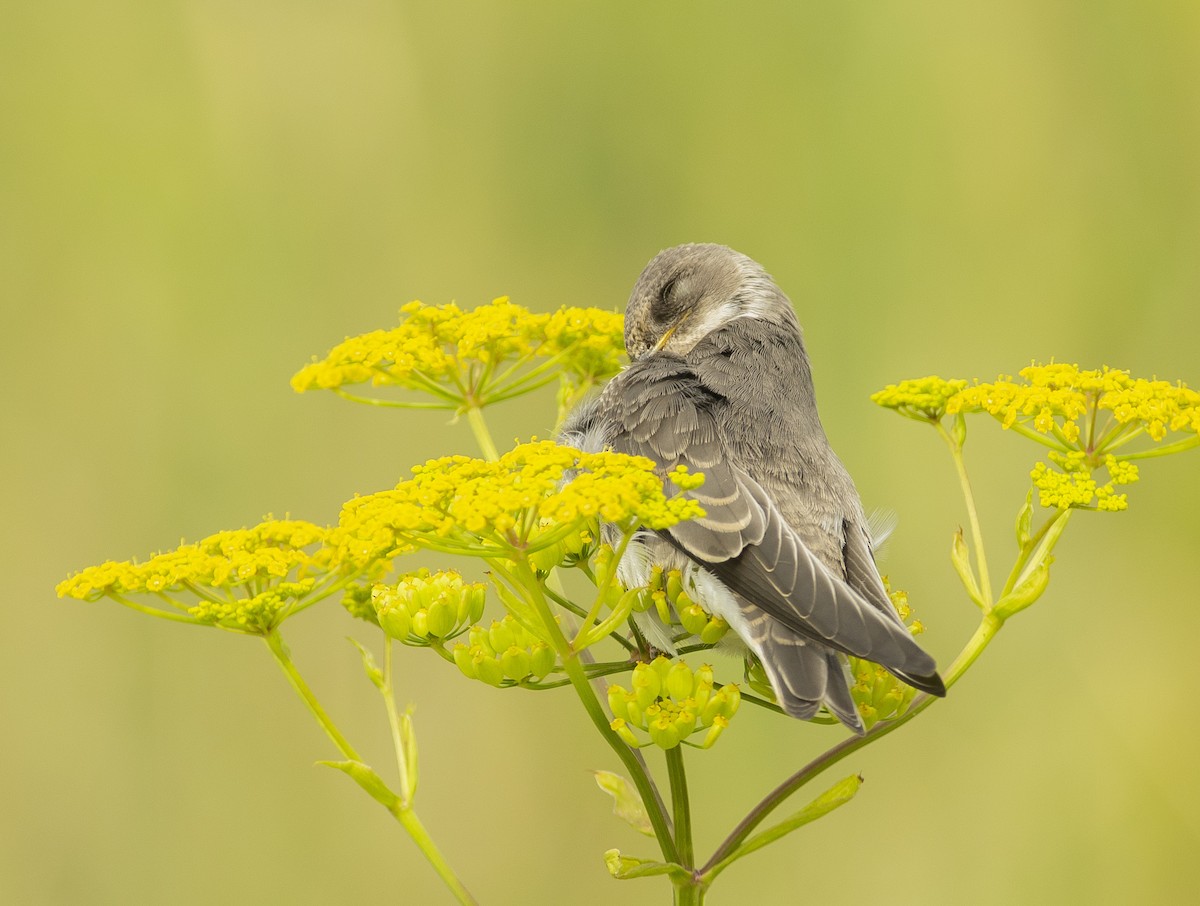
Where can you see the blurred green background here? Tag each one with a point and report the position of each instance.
(195, 197)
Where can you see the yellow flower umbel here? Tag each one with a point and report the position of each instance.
(469, 359)
(1090, 420)
(669, 702)
(923, 399)
(515, 506)
(246, 580)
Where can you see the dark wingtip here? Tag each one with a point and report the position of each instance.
(931, 684)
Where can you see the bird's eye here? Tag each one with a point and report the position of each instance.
(665, 307)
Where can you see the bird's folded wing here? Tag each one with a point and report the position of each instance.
(660, 409)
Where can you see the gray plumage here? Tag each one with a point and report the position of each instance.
(720, 382)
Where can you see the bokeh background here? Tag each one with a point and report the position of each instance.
(195, 197)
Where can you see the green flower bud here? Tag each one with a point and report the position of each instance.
(420, 624)
(674, 585)
(541, 659)
(487, 668)
(475, 599)
(685, 721)
(626, 734)
(395, 620)
(515, 663)
(693, 618)
(662, 666)
(656, 579)
(663, 732)
(714, 631)
(618, 702)
(500, 634)
(462, 659)
(442, 617)
(718, 727)
(660, 604)
(723, 703)
(647, 684)
(680, 681)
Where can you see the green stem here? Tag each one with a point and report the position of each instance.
(987, 630)
(1177, 447)
(389, 701)
(279, 650)
(389, 404)
(482, 436)
(410, 822)
(972, 515)
(526, 578)
(680, 806)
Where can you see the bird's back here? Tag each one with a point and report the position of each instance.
(761, 380)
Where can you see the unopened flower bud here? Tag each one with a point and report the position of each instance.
(541, 659)
(442, 617)
(500, 634)
(647, 683)
(462, 659)
(680, 681)
(693, 618)
(714, 631)
(622, 729)
(487, 668)
(515, 663)
(663, 732)
(674, 585)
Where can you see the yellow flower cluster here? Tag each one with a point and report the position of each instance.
(1052, 398)
(245, 579)
(1074, 485)
(670, 701)
(483, 508)
(924, 398)
(591, 341)
(479, 355)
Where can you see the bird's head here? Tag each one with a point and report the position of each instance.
(687, 292)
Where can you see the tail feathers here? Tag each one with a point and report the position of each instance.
(805, 675)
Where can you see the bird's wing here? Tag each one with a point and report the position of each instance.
(659, 408)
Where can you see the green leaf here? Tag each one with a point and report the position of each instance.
(1026, 592)
(365, 777)
(961, 558)
(627, 804)
(837, 795)
(374, 674)
(625, 868)
(1025, 521)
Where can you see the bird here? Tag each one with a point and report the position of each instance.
(719, 381)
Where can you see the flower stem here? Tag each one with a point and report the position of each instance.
(984, 634)
(680, 806)
(985, 584)
(482, 435)
(279, 650)
(411, 823)
(524, 577)
(404, 814)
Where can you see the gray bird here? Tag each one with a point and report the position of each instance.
(720, 382)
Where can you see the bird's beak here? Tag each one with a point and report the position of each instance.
(662, 341)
